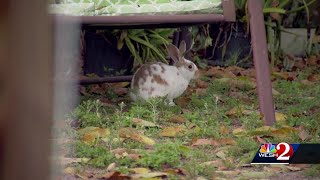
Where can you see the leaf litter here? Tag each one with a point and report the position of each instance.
(219, 143)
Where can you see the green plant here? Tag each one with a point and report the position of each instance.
(169, 153)
(145, 45)
(99, 156)
(91, 113)
(275, 11)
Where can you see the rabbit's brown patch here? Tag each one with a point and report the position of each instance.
(155, 68)
(162, 67)
(142, 73)
(157, 78)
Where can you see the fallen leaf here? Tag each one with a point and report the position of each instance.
(120, 91)
(215, 163)
(251, 72)
(65, 161)
(91, 134)
(120, 84)
(74, 171)
(69, 170)
(226, 141)
(186, 111)
(260, 140)
(201, 142)
(256, 175)
(96, 89)
(178, 171)
(139, 170)
(201, 84)
(83, 90)
(119, 150)
(182, 101)
(221, 154)
(135, 135)
(200, 91)
(239, 132)
(149, 175)
(303, 134)
(312, 60)
(224, 129)
(115, 175)
(177, 119)
(236, 70)
(314, 77)
(240, 95)
(170, 131)
(280, 117)
(283, 131)
(134, 156)
(275, 92)
(111, 167)
(143, 123)
(276, 168)
(235, 112)
(282, 75)
(306, 82)
(294, 168)
(301, 166)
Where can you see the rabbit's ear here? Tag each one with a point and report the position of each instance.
(182, 47)
(174, 52)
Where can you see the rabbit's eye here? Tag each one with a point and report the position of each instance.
(190, 66)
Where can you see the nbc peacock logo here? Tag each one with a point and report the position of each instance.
(267, 150)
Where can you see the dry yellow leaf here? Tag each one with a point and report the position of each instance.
(280, 116)
(235, 112)
(69, 170)
(239, 131)
(143, 123)
(133, 134)
(170, 131)
(177, 119)
(226, 141)
(224, 129)
(139, 170)
(150, 175)
(90, 134)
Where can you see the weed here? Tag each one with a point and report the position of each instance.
(168, 153)
(99, 156)
(313, 171)
(91, 113)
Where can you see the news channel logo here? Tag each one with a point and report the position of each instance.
(280, 153)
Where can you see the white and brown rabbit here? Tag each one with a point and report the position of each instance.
(162, 80)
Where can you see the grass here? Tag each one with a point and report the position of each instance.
(204, 116)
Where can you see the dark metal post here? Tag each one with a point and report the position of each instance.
(261, 62)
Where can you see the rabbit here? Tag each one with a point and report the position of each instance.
(162, 80)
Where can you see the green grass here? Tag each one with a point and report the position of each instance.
(206, 115)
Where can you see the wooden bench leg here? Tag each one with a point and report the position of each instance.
(261, 62)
